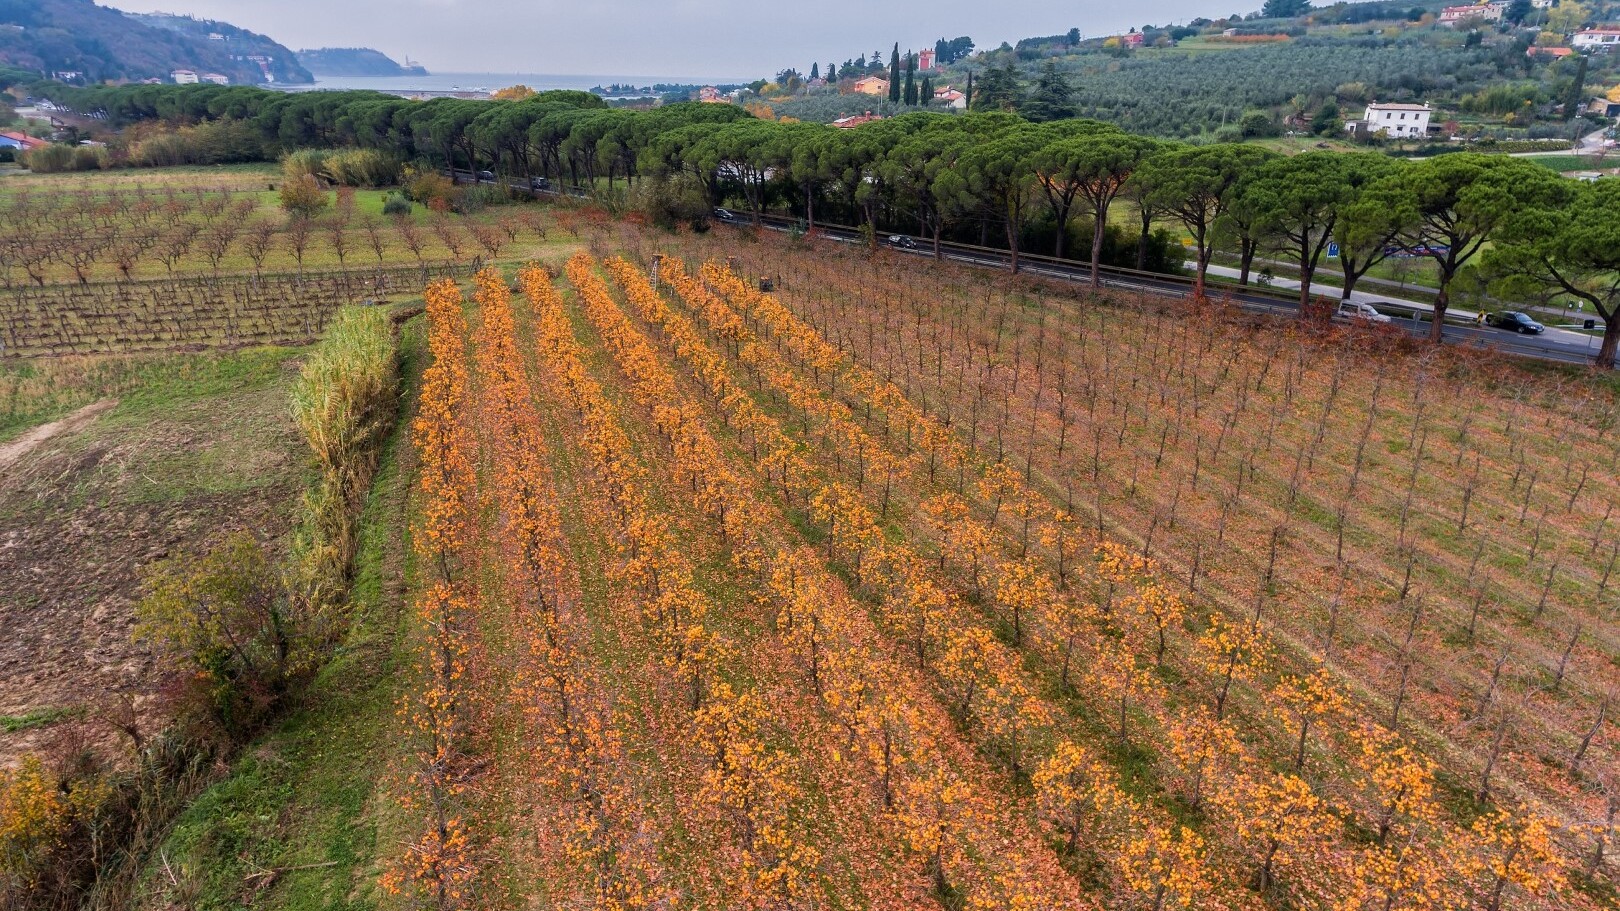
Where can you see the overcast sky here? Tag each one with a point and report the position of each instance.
(682, 38)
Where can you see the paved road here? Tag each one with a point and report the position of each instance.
(1592, 142)
(1589, 144)
(1562, 340)
(1555, 345)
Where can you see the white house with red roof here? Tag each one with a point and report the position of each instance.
(1597, 39)
(849, 123)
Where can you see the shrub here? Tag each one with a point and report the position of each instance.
(477, 197)
(223, 141)
(224, 620)
(33, 819)
(302, 196)
(346, 168)
(50, 158)
(396, 204)
(673, 201)
(427, 186)
(1256, 124)
(163, 150)
(88, 158)
(47, 826)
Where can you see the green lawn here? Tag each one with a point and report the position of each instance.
(1562, 163)
(35, 391)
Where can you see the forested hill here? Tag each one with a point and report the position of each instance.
(354, 61)
(53, 36)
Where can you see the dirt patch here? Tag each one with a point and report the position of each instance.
(78, 420)
(84, 507)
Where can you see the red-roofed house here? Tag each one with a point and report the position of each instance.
(19, 141)
(848, 123)
(1602, 39)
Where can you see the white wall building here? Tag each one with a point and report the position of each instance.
(1604, 39)
(950, 98)
(1398, 121)
(184, 77)
(1485, 12)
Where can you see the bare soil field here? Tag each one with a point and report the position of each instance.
(184, 456)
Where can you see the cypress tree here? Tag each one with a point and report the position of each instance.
(1572, 104)
(967, 96)
(894, 74)
(911, 81)
(815, 71)
(927, 93)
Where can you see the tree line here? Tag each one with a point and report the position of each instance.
(1545, 236)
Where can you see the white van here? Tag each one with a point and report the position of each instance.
(1355, 310)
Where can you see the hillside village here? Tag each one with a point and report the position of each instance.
(1513, 71)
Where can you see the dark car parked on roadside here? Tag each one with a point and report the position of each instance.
(1514, 321)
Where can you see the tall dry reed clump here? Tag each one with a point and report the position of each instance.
(344, 405)
(345, 168)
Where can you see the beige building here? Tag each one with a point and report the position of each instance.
(872, 85)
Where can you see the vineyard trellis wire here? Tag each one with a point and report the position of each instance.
(193, 310)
